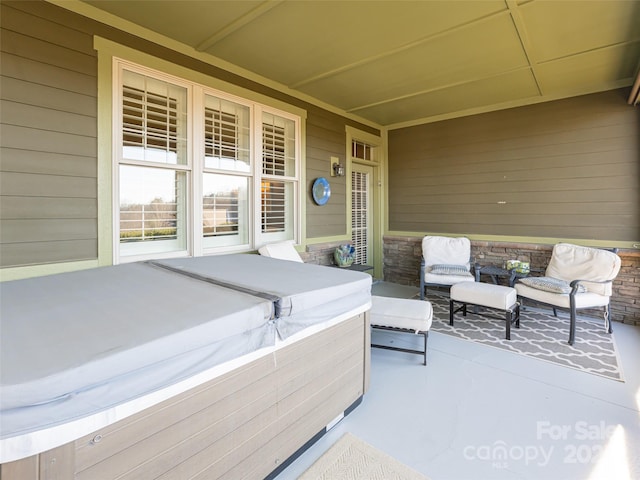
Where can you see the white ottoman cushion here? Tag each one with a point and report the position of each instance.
(404, 313)
(485, 294)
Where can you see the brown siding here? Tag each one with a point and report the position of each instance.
(326, 138)
(564, 169)
(48, 103)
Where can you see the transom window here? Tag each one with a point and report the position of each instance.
(200, 171)
(362, 151)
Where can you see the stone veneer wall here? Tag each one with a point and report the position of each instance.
(402, 265)
(321, 253)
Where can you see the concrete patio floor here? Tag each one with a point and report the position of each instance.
(476, 412)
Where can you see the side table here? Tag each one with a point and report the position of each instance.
(496, 272)
(355, 267)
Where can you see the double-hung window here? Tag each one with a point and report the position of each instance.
(199, 171)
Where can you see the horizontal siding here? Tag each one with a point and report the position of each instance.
(26, 138)
(565, 169)
(36, 117)
(61, 79)
(326, 138)
(31, 185)
(48, 115)
(47, 53)
(48, 163)
(46, 229)
(37, 253)
(43, 28)
(44, 96)
(19, 208)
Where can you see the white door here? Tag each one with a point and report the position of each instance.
(361, 203)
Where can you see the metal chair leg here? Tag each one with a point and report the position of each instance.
(426, 335)
(572, 324)
(607, 319)
(451, 307)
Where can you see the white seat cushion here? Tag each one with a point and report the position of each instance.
(485, 294)
(583, 300)
(282, 250)
(446, 251)
(447, 279)
(404, 313)
(574, 262)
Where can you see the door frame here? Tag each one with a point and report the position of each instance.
(376, 194)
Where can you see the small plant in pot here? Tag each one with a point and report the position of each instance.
(344, 255)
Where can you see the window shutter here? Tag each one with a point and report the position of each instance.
(273, 150)
(149, 123)
(274, 200)
(359, 215)
(220, 134)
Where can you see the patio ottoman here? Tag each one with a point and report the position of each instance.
(486, 295)
(402, 315)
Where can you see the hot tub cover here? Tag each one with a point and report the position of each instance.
(110, 334)
(303, 294)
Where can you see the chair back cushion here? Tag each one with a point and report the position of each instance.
(282, 250)
(446, 251)
(574, 262)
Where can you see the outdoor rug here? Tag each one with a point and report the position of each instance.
(541, 335)
(352, 459)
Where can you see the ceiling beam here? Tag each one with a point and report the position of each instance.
(237, 24)
(521, 30)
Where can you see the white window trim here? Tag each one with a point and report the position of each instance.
(194, 167)
(297, 198)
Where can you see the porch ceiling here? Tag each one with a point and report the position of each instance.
(403, 62)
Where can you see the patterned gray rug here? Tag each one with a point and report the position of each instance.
(541, 335)
(352, 459)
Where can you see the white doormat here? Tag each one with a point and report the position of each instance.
(352, 459)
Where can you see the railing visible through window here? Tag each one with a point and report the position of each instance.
(153, 221)
(152, 206)
(221, 201)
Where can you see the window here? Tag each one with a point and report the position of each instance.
(227, 174)
(278, 177)
(153, 166)
(362, 151)
(196, 174)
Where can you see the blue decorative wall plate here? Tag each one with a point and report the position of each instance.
(321, 191)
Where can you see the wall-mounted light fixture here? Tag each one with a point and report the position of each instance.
(337, 169)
